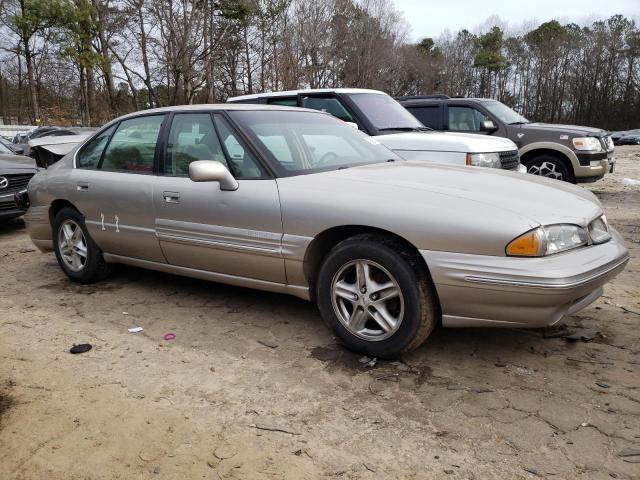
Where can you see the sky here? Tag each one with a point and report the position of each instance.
(430, 18)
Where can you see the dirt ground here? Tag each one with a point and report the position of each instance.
(254, 386)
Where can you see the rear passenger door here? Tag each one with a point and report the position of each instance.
(113, 187)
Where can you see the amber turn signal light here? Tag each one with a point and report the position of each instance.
(531, 244)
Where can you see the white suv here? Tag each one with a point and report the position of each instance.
(379, 115)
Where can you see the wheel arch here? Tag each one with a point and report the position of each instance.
(58, 205)
(558, 151)
(322, 244)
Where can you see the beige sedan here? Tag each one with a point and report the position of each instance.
(294, 201)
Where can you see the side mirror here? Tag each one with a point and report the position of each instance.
(212, 171)
(488, 126)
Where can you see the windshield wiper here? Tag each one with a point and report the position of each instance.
(405, 129)
(519, 123)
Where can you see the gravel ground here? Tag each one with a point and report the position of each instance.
(254, 386)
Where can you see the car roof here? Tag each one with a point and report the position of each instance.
(290, 93)
(207, 107)
(418, 100)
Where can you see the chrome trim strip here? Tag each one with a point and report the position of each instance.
(217, 244)
(559, 286)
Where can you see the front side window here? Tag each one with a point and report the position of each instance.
(304, 142)
(242, 162)
(328, 104)
(465, 119)
(192, 137)
(89, 156)
(133, 146)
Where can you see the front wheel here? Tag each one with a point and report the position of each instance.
(77, 254)
(550, 167)
(376, 297)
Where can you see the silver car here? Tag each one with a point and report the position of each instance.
(294, 201)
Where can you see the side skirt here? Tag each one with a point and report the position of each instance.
(296, 291)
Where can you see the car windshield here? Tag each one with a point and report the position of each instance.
(504, 113)
(305, 142)
(384, 112)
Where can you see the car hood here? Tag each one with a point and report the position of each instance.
(59, 145)
(16, 162)
(568, 129)
(446, 142)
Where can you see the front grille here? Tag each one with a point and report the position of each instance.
(510, 160)
(16, 182)
(7, 205)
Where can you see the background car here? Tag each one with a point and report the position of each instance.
(563, 152)
(630, 137)
(294, 201)
(377, 114)
(15, 173)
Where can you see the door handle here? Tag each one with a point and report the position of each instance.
(171, 197)
(82, 186)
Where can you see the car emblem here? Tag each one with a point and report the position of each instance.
(4, 183)
(520, 135)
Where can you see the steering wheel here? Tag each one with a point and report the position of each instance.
(326, 158)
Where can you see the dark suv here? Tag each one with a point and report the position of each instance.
(563, 152)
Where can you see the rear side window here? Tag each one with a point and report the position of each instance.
(89, 156)
(133, 146)
(286, 101)
(428, 116)
(328, 104)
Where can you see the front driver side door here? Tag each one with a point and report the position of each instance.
(236, 233)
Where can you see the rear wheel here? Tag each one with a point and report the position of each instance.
(77, 254)
(550, 167)
(376, 297)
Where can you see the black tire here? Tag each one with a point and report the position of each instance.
(550, 166)
(421, 307)
(94, 267)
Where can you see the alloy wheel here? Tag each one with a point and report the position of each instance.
(72, 245)
(367, 300)
(546, 169)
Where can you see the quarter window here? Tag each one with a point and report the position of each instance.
(89, 156)
(133, 146)
(465, 119)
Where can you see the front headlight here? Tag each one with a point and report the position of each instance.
(587, 144)
(490, 160)
(547, 240)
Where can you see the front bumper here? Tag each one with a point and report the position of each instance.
(483, 290)
(8, 207)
